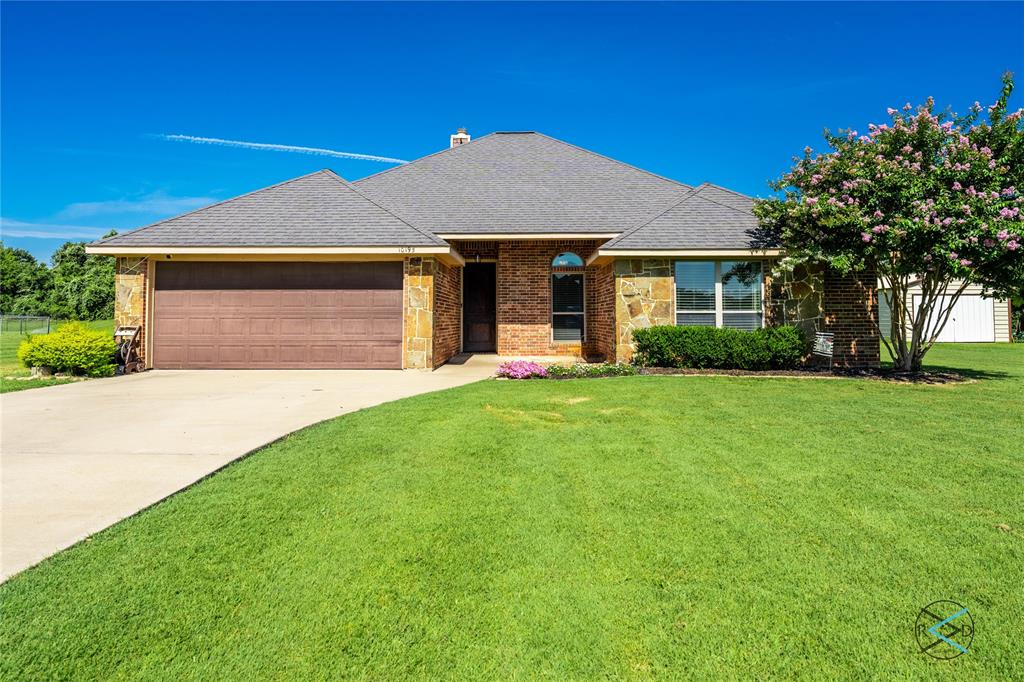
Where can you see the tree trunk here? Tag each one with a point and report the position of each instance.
(914, 333)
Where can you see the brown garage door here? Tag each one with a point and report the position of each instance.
(277, 315)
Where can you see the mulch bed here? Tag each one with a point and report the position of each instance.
(820, 373)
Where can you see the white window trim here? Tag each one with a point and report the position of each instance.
(551, 286)
(719, 311)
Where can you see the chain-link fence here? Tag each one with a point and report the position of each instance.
(25, 324)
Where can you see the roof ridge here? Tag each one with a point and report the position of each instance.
(528, 132)
(216, 203)
(387, 210)
(654, 216)
(719, 203)
(427, 156)
(608, 158)
(726, 189)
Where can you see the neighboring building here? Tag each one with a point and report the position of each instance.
(514, 243)
(974, 319)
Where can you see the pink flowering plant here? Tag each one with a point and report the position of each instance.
(935, 199)
(521, 369)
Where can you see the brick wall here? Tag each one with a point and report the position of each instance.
(447, 312)
(470, 250)
(851, 310)
(131, 286)
(524, 299)
(602, 313)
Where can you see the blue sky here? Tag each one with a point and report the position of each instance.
(720, 92)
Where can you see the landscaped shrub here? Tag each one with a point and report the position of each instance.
(72, 348)
(590, 371)
(712, 348)
(521, 369)
(787, 346)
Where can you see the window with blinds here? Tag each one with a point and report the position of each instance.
(568, 314)
(741, 294)
(695, 293)
(719, 294)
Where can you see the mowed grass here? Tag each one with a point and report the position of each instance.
(11, 369)
(673, 527)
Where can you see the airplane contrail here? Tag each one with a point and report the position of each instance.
(281, 148)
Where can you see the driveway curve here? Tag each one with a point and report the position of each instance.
(79, 457)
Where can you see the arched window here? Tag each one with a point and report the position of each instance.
(568, 314)
(567, 259)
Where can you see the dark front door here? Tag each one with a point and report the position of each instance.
(478, 311)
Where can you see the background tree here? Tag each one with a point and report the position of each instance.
(82, 285)
(77, 286)
(24, 282)
(927, 198)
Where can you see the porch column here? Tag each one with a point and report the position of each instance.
(131, 295)
(418, 313)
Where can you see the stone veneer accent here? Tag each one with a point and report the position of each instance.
(644, 293)
(418, 311)
(796, 297)
(432, 301)
(130, 289)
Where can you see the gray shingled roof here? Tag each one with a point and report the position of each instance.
(319, 209)
(709, 217)
(511, 183)
(520, 183)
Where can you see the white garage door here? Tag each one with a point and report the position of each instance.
(972, 319)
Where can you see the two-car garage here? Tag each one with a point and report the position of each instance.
(307, 273)
(264, 315)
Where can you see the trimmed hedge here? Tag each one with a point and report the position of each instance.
(712, 348)
(72, 348)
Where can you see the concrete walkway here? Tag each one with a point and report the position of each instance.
(79, 457)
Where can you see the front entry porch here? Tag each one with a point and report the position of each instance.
(533, 306)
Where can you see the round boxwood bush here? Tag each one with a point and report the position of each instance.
(72, 348)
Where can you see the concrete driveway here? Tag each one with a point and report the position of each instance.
(77, 458)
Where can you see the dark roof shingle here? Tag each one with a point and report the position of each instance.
(319, 209)
(502, 183)
(709, 217)
(520, 183)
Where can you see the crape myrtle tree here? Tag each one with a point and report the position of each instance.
(932, 199)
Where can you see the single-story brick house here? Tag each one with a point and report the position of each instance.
(514, 243)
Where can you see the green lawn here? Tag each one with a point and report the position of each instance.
(675, 527)
(11, 369)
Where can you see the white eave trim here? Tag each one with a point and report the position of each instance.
(607, 254)
(531, 235)
(112, 250)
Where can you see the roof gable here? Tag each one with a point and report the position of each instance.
(520, 183)
(709, 217)
(319, 209)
